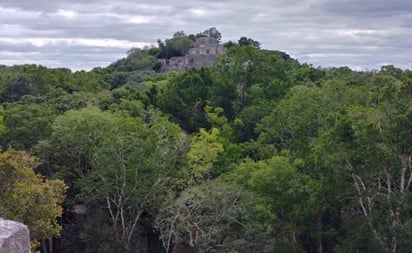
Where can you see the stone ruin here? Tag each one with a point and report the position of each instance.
(14, 237)
(202, 54)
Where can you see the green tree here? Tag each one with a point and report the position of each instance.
(176, 46)
(186, 97)
(25, 125)
(214, 217)
(213, 33)
(244, 41)
(367, 147)
(287, 198)
(305, 113)
(203, 152)
(18, 88)
(28, 197)
(116, 163)
(377, 166)
(248, 77)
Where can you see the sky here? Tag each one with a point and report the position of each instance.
(83, 34)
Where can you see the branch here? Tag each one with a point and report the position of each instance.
(355, 178)
(402, 184)
(109, 206)
(133, 227)
(410, 169)
(171, 232)
(388, 182)
(198, 228)
(237, 222)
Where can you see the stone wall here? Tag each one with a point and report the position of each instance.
(203, 54)
(207, 46)
(14, 237)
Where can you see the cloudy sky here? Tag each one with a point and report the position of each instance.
(82, 34)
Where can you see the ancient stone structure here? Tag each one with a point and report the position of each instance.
(14, 237)
(207, 46)
(203, 53)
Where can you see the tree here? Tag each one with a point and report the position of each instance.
(185, 98)
(214, 217)
(244, 41)
(203, 152)
(115, 163)
(138, 59)
(18, 88)
(304, 114)
(2, 126)
(368, 148)
(287, 199)
(28, 197)
(245, 67)
(176, 46)
(377, 165)
(179, 34)
(132, 174)
(25, 125)
(213, 33)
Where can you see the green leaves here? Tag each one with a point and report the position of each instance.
(186, 98)
(279, 184)
(265, 155)
(203, 153)
(25, 125)
(28, 197)
(212, 216)
(117, 162)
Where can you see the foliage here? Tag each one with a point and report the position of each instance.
(203, 152)
(257, 153)
(185, 98)
(137, 59)
(180, 44)
(28, 197)
(25, 125)
(114, 161)
(244, 41)
(215, 216)
(175, 47)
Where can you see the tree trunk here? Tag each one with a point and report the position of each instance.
(154, 242)
(43, 246)
(319, 248)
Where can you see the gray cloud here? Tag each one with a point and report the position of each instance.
(371, 8)
(82, 34)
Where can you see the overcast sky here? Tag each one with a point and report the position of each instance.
(82, 34)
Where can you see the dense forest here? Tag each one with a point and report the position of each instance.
(256, 153)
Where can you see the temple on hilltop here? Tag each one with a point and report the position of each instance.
(202, 54)
(207, 46)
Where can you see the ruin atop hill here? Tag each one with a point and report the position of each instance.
(202, 54)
